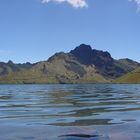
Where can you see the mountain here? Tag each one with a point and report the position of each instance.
(6, 68)
(60, 68)
(81, 65)
(104, 63)
(131, 77)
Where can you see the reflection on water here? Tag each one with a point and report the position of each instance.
(54, 110)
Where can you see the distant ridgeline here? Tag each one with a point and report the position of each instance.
(81, 65)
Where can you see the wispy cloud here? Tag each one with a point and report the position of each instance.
(74, 3)
(137, 2)
(81, 3)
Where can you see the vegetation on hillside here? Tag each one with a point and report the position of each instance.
(81, 65)
(131, 77)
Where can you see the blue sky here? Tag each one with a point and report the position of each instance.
(33, 30)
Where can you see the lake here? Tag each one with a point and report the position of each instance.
(70, 112)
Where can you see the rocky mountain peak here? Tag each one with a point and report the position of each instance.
(82, 48)
(86, 55)
(10, 62)
(83, 53)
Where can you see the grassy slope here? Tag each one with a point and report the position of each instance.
(38, 77)
(132, 77)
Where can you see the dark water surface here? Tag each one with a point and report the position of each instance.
(68, 112)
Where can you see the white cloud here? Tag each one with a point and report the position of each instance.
(81, 3)
(137, 2)
(74, 3)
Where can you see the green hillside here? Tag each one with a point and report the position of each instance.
(132, 77)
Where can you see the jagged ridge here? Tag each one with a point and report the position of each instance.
(81, 65)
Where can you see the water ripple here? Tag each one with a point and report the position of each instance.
(70, 105)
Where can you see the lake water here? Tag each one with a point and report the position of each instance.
(70, 112)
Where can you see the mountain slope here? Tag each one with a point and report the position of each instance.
(132, 77)
(128, 64)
